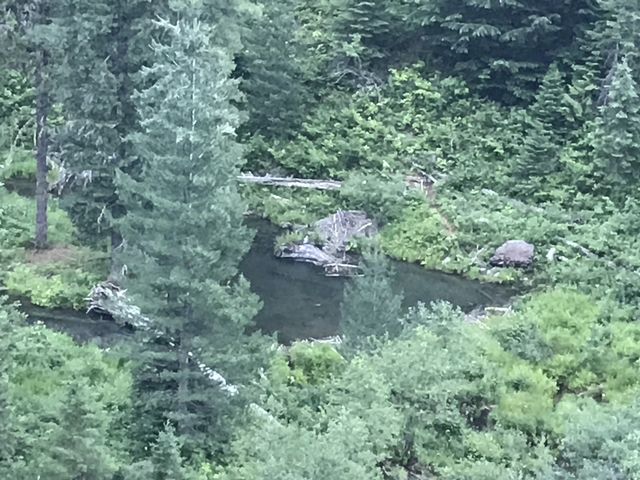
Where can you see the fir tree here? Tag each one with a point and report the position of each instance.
(360, 26)
(551, 105)
(504, 47)
(77, 447)
(272, 74)
(7, 434)
(184, 231)
(617, 34)
(537, 162)
(370, 308)
(617, 136)
(166, 458)
(94, 84)
(547, 130)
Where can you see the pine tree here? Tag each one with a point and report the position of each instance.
(501, 47)
(370, 308)
(617, 136)
(7, 434)
(184, 231)
(617, 34)
(537, 162)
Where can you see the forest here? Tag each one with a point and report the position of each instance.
(140, 141)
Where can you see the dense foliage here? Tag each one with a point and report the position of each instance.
(456, 125)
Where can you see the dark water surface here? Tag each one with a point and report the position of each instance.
(299, 301)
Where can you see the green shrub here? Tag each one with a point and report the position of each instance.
(290, 206)
(528, 400)
(17, 222)
(53, 285)
(383, 198)
(556, 330)
(419, 236)
(316, 362)
(18, 163)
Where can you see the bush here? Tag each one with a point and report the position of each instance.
(288, 206)
(556, 330)
(420, 236)
(17, 164)
(17, 222)
(382, 198)
(54, 285)
(316, 362)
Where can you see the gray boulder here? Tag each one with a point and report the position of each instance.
(514, 253)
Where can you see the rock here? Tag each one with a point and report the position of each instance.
(514, 253)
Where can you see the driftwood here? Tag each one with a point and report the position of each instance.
(334, 234)
(412, 181)
(290, 182)
(342, 270)
(305, 252)
(110, 299)
(422, 182)
(579, 247)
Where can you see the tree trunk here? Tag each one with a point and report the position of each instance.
(42, 147)
(184, 421)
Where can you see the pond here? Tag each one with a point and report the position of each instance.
(298, 300)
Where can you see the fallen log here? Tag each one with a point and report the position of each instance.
(412, 181)
(110, 299)
(268, 180)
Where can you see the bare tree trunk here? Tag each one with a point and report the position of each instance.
(42, 147)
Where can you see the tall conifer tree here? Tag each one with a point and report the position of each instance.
(184, 229)
(27, 45)
(87, 88)
(617, 136)
(272, 74)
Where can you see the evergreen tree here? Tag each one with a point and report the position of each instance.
(7, 434)
(503, 48)
(552, 105)
(102, 47)
(184, 231)
(271, 70)
(360, 27)
(537, 161)
(166, 458)
(77, 447)
(617, 33)
(370, 307)
(28, 42)
(617, 136)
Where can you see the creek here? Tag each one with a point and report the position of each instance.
(298, 300)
